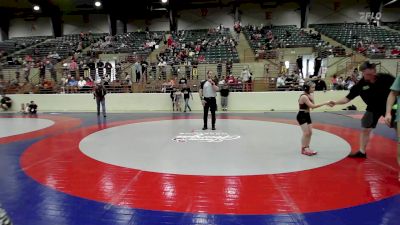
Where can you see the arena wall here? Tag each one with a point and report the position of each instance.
(19, 27)
(95, 23)
(127, 102)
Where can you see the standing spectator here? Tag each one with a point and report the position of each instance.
(224, 97)
(208, 92)
(138, 71)
(52, 70)
(100, 68)
(99, 94)
(27, 71)
(237, 27)
(334, 82)
(194, 69)
(42, 71)
(73, 66)
(299, 62)
(245, 79)
(170, 41)
(6, 102)
(219, 70)
(171, 91)
(187, 93)
(320, 84)
(187, 69)
(118, 71)
(317, 65)
(229, 66)
(92, 67)
(178, 100)
(144, 65)
(108, 67)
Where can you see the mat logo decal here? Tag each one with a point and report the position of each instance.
(205, 136)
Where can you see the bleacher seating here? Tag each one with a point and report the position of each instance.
(15, 44)
(350, 34)
(284, 36)
(218, 47)
(393, 25)
(132, 42)
(64, 46)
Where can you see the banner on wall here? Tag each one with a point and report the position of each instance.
(336, 5)
(33, 27)
(268, 15)
(204, 12)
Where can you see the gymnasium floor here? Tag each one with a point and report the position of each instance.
(160, 168)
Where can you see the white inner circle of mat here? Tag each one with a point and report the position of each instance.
(14, 126)
(263, 148)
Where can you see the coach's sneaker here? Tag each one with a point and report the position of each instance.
(4, 219)
(307, 151)
(358, 154)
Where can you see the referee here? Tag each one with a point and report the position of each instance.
(208, 92)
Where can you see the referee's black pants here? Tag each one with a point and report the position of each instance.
(211, 103)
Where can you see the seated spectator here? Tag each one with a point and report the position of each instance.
(395, 52)
(5, 102)
(280, 81)
(72, 85)
(81, 83)
(24, 108)
(230, 79)
(355, 76)
(222, 81)
(334, 82)
(182, 81)
(89, 83)
(54, 55)
(348, 83)
(32, 107)
(340, 83)
(46, 86)
(320, 84)
(127, 79)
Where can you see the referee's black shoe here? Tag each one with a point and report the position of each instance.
(358, 154)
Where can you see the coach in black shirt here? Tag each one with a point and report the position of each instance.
(374, 89)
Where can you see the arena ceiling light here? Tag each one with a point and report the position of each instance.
(391, 2)
(97, 3)
(164, 1)
(36, 7)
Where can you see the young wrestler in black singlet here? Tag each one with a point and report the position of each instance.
(306, 102)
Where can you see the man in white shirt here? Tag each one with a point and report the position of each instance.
(208, 92)
(246, 79)
(280, 81)
(81, 83)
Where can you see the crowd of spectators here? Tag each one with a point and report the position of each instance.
(197, 46)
